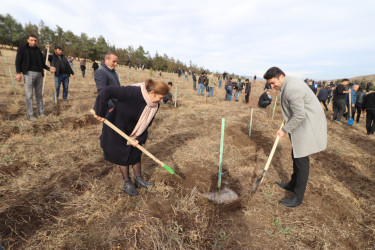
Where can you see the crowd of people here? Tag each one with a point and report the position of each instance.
(360, 102)
(133, 108)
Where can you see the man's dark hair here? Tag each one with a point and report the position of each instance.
(170, 83)
(273, 72)
(31, 35)
(345, 80)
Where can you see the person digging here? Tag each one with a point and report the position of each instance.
(306, 125)
(133, 114)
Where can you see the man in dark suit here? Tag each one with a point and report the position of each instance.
(106, 75)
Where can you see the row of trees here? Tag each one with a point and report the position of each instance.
(15, 34)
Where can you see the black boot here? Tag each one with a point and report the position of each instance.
(140, 182)
(130, 189)
(291, 202)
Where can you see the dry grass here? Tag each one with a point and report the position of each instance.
(57, 192)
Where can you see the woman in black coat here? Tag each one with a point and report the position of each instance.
(133, 114)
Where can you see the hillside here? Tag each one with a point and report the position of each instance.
(58, 192)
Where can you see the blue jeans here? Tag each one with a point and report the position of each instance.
(64, 79)
(211, 92)
(186, 77)
(219, 84)
(229, 94)
(200, 89)
(236, 96)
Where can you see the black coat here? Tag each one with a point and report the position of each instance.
(360, 96)
(23, 60)
(95, 65)
(248, 88)
(58, 63)
(264, 100)
(369, 103)
(125, 116)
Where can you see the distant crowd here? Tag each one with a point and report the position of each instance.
(348, 98)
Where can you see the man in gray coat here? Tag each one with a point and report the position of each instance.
(106, 75)
(306, 125)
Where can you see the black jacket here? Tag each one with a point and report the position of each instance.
(23, 60)
(369, 103)
(58, 63)
(248, 88)
(339, 94)
(360, 96)
(95, 65)
(264, 100)
(200, 79)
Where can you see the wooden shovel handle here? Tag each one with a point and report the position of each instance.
(273, 149)
(128, 138)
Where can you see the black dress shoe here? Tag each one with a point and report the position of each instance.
(130, 189)
(284, 186)
(291, 202)
(140, 182)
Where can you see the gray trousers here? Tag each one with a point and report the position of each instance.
(34, 80)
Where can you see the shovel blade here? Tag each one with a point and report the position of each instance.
(350, 121)
(256, 185)
(170, 170)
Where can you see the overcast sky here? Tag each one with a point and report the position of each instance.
(310, 39)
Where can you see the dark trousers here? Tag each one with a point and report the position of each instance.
(247, 97)
(338, 109)
(370, 122)
(264, 104)
(300, 176)
(324, 103)
(358, 109)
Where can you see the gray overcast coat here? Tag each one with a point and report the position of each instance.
(304, 116)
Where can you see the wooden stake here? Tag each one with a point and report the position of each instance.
(45, 72)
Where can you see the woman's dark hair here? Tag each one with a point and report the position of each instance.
(158, 87)
(273, 72)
